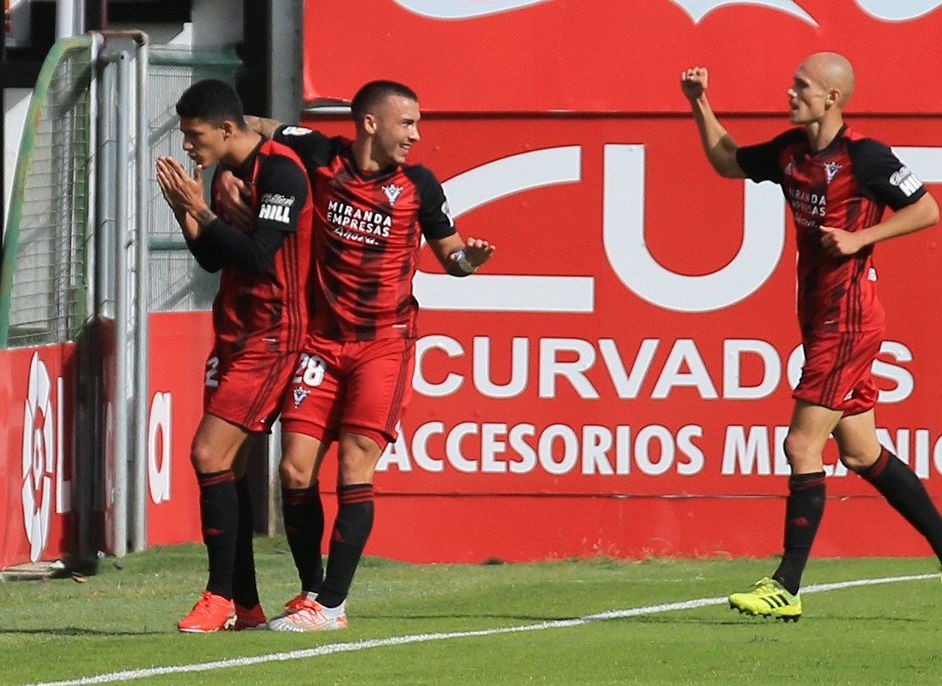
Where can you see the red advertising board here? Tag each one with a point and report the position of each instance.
(35, 497)
(616, 56)
(618, 378)
(179, 344)
(37, 494)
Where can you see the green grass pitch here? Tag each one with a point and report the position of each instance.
(123, 619)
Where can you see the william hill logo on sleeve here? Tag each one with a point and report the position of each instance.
(906, 181)
(276, 207)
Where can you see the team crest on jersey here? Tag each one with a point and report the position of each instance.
(299, 394)
(831, 169)
(392, 192)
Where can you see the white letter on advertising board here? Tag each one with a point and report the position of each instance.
(518, 368)
(158, 469)
(596, 442)
(690, 449)
(742, 455)
(570, 449)
(453, 448)
(452, 382)
(420, 447)
(491, 446)
(63, 486)
(487, 292)
(623, 232)
(643, 450)
(527, 461)
(551, 367)
(733, 350)
(396, 453)
(628, 385)
(684, 354)
(905, 384)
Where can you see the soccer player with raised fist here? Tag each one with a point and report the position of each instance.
(838, 183)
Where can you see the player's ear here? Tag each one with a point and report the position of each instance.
(369, 123)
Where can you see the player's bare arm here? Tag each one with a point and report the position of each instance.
(920, 215)
(719, 146)
(262, 126)
(459, 257)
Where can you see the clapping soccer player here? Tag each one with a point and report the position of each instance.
(259, 324)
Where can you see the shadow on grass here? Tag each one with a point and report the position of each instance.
(768, 621)
(76, 631)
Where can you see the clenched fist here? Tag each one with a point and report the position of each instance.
(693, 82)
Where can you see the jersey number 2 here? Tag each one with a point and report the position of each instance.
(212, 368)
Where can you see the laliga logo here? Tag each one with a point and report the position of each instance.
(38, 458)
(887, 10)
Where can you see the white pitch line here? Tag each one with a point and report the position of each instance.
(332, 648)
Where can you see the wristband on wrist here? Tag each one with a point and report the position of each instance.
(464, 263)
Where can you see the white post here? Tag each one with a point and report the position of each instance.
(142, 299)
(70, 18)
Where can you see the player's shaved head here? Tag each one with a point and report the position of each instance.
(372, 95)
(834, 72)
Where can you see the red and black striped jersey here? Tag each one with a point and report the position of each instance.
(846, 185)
(368, 230)
(265, 283)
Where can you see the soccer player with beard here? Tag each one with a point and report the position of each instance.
(371, 211)
(838, 183)
(260, 317)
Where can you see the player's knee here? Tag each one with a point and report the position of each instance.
(294, 475)
(858, 461)
(801, 454)
(206, 458)
(793, 447)
(357, 466)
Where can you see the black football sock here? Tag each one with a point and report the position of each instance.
(351, 531)
(244, 587)
(905, 492)
(303, 515)
(803, 511)
(219, 517)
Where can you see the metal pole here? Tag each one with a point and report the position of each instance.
(121, 393)
(87, 441)
(69, 18)
(142, 300)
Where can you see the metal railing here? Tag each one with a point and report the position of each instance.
(44, 275)
(87, 247)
